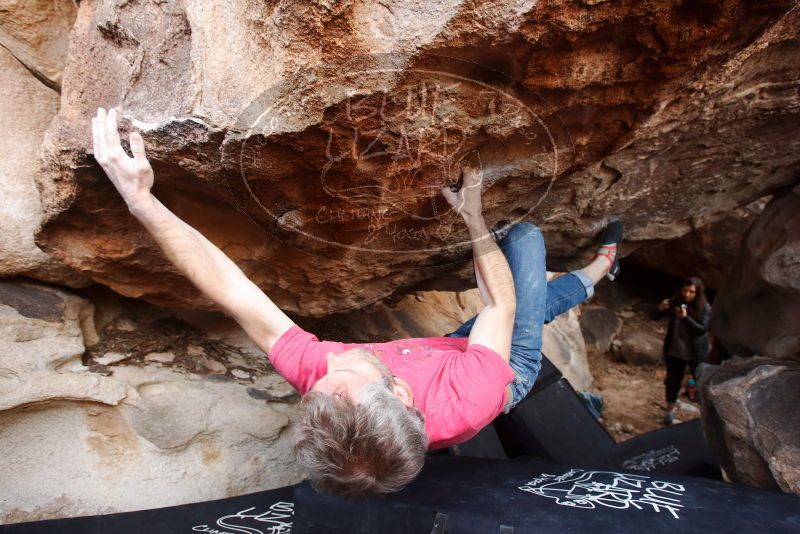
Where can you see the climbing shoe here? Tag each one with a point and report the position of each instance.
(609, 246)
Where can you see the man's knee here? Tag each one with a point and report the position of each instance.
(522, 230)
(524, 226)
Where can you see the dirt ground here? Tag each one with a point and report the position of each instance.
(633, 396)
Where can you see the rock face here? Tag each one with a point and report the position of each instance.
(436, 313)
(563, 344)
(750, 404)
(757, 311)
(27, 107)
(707, 252)
(599, 326)
(751, 419)
(310, 142)
(639, 347)
(89, 439)
(36, 33)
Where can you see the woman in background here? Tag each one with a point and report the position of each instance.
(686, 342)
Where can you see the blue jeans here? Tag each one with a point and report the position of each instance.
(538, 303)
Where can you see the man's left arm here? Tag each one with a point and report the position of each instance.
(205, 265)
(494, 325)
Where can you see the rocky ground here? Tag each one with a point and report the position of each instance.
(633, 396)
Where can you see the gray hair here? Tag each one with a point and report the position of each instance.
(376, 445)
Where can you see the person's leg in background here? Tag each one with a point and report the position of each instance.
(691, 385)
(675, 370)
(693, 369)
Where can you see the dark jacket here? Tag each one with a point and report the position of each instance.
(697, 331)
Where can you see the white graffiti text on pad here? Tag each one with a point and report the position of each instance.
(276, 520)
(651, 459)
(606, 489)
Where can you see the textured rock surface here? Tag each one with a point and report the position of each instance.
(563, 343)
(639, 347)
(751, 420)
(317, 169)
(89, 439)
(36, 33)
(436, 313)
(707, 252)
(41, 342)
(599, 326)
(757, 311)
(27, 107)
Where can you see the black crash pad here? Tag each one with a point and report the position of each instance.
(267, 512)
(678, 449)
(469, 495)
(552, 423)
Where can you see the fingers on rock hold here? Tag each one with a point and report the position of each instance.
(137, 146)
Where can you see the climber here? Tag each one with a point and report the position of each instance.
(370, 411)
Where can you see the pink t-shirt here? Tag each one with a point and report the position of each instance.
(459, 388)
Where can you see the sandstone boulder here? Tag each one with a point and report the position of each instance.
(707, 252)
(639, 347)
(757, 311)
(563, 344)
(310, 142)
(42, 341)
(27, 107)
(128, 436)
(36, 33)
(599, 326)
(750, 416)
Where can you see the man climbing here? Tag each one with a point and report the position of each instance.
(370, 411)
